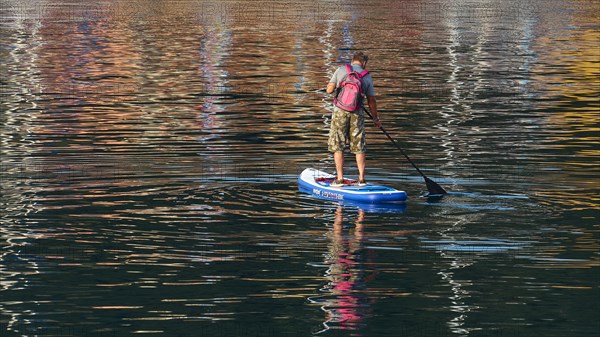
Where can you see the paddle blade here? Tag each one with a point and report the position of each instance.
(433, 188)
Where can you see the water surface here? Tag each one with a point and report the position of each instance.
(150, 150)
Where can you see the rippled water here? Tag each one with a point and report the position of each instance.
(149, 155)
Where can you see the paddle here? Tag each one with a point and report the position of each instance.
(432, 187)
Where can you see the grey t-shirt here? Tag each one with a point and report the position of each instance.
(367, 81)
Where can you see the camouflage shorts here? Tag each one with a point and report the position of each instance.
(347, 127)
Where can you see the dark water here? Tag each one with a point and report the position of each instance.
(149, 155)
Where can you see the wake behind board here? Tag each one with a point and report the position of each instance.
(317, 183)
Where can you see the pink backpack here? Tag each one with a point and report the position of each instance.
(350, 93)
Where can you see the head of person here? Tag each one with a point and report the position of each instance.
(360, 58)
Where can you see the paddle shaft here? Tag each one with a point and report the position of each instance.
(397, 146)
(431, 185)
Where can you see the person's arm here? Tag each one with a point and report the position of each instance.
(373, 108)
(333, 81)
(330, 87)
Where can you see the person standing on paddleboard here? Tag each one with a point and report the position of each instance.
(352, 82)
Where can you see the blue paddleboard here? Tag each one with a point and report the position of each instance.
(318, 184)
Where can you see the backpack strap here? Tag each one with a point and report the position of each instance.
(360, 75)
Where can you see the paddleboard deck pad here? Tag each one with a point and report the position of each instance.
(318, 184)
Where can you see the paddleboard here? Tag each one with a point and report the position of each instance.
(318, 184)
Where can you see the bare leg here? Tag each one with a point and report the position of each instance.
(361, 163)
(338, 157)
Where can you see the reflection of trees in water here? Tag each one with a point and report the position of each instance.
(213, 52)
(17, 238)
(18, 170)
(459, 292)
(15, 267)
(481, 73)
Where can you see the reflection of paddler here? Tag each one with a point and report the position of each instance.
(345, 306)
